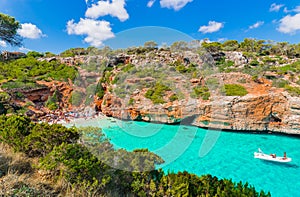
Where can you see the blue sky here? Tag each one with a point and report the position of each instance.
(57, 25)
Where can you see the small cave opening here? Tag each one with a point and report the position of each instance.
(274, 118)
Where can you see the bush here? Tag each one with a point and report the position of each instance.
(31, 69)
(131, 101)
(254, 63)
(212, 83)
(225, 66)
(128, 67)
(77, 165)
(181, 68)
(294, 91)
(100, 90)
(44, 137)
(202, 92)
(234, 90)
(27, 85)
(13, 130)
(77, 98)
(279, 83)
(52, 102)
(32, 138)
(173, 97)
(157, 93)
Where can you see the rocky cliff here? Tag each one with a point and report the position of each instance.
(271, 112)
(126, 80)
(263, 108)
(278, 112)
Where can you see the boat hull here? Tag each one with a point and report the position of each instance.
(266, 157)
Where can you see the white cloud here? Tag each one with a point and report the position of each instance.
(212, 26)
(256, 25)
(30, 31)
(174, 4)
(3, 43)
(150, 3)
(221, 39)
(289, 24)
(116, 8)
(275, 8)
(296, 9)
(24, 49)
(96, 31)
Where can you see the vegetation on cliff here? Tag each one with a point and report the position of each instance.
(65, 163)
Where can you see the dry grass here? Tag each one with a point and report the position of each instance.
(19, 178)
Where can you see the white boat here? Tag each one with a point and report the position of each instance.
(271, 157)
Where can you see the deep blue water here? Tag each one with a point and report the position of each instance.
(223, 154)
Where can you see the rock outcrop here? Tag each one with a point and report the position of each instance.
(277, 112)
(264, 108)
(270, 112)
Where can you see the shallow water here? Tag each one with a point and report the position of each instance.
(223, 154)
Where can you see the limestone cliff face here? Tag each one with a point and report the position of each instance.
(278, 112)
(64, 88)
(270, 112)
(264, 108)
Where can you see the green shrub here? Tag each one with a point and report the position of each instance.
(279, 83)
(77, 98)
(212, 83)
(44, 137)
(181, 68)
(52, 102)
(30, 69)
(32, 138)
(254, 63)
(100, 90)
(234, 90)
(131, 101)
(294, 91)
(77, 165)
(128, 67)
(173, 97)
(225, 66)
(201, 91)
(13, 130)
(157, 93)
(20, 85)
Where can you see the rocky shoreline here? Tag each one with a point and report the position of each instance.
(278, 113)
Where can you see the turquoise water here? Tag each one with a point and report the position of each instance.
(222, 154)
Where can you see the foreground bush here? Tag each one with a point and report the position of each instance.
(32, 138)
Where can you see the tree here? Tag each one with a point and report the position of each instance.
(150, 45)
(179, 46)
(230, 45)
(34, 54)
(212, 47)
(248, 45)
(8, 30)
(49, 54)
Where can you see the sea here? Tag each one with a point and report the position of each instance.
(222, 154)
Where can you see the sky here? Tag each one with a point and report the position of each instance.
(57, 25)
